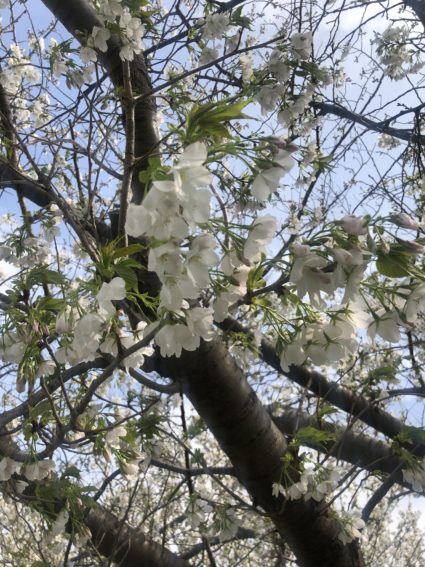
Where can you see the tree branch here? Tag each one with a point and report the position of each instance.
(344, 399)
(127, 546)
(418, 6)
(358, 449)
(381, 127)
(242, 533)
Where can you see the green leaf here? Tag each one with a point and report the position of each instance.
(51, 304)
(238, 20)
(383, 373)
(72, 471)
(289, 296)
(127, 251)
(155, 170)
(229, 112)
(88, 500)
(325, 410)
(40, 276)
(312, 436)
(412, 435)
(148, 425)
(394, 264)
(208, 120)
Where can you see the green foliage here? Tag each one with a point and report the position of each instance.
(412, 435)
(242, 21)
(148, 425)
(387, 373)
(155, 170)
(397, 262)
(42, 275)
(323, 163)
(386, 266)
(312, 437)
(71, 472)
(209, 120)
(324, 410)
(256, 278)
(116, 261)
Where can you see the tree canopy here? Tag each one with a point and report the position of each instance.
(213, 288)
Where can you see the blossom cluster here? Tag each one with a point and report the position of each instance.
(131, 31)
(17, 69)
(321, 272)
(237, 266)
(36, 470)
(214, 26)
(169, 213)
(84, 333)
(397, 59)
(351, 526)
(311, 485)
(272, 97)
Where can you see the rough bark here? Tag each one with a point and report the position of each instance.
(245, 431)
(126, 546)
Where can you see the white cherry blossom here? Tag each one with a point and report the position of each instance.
(415, 303)
(278, 67)
(171, 339)
(87, 336)
(386, 325)
(225, 299)
(38, 469)
(403, 220)
(88, 54)
(199, 321)
(100, 36)
(8, 467)
(208, 54)
(111, 8)
(165, 259)
(175, 289)
(353, 225)
(245, 60)
(302, 44)
(260, 235)
(269, 96)
(200, 258)
(266, 182)
(293, 354)
(215, 26)
(112, 291)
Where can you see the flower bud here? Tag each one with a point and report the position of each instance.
(404, 221)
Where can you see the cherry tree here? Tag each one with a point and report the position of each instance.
(212, 282)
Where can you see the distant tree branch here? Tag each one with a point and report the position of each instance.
(380, 127)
